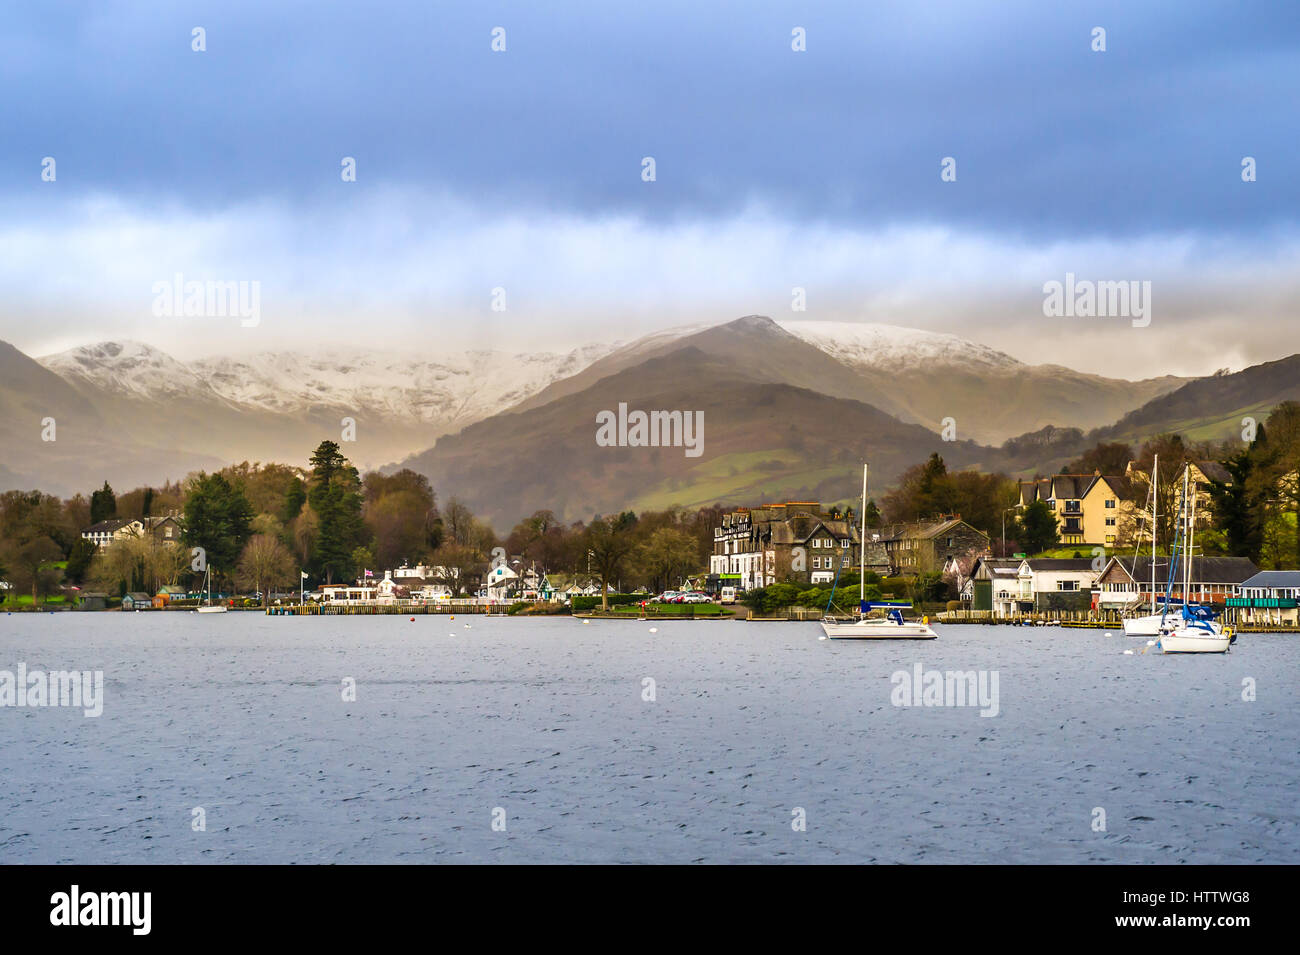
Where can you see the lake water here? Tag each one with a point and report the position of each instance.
(242, 715)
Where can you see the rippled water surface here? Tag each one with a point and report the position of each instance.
(242, 715)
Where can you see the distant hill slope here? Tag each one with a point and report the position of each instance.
(753, 346)
(88, 446)
(915, 375)
(1212, 408)
(763, 440)
(989, 395)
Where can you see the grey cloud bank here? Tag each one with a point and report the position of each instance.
(521, 170)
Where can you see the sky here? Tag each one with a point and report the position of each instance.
(522, 170)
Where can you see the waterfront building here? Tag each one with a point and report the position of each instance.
(1125, 582)
(137, 601)
(796, 541)
(1269, 597)
(1012, 586)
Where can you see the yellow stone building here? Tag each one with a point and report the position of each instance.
(1090, 508)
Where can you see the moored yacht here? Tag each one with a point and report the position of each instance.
(887, 626)
(209, 606)
(1148, 624)
(1195, 630)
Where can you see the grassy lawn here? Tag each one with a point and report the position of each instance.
(25, 600)
(713, 481)
(1210, 427)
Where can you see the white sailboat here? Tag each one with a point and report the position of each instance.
(1148, 625)
(890, 626)
(1196, 631)
(209, 606)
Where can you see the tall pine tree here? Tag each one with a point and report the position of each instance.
(103, 504)
(335, 497)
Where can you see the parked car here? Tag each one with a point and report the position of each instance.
(728, 595)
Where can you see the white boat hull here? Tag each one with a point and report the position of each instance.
(878, 630)
(1183, 640)
(219, 608)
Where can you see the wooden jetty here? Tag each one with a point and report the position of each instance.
(327, 609)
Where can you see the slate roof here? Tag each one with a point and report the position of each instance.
(1215, 471)
(1213, 570)
(1274, 579)
(1074, 487)
(106, 527)
(918, 530)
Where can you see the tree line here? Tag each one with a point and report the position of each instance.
(259, 525)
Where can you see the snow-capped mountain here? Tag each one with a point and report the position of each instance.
(278, 406)
(128, 369)
(933, 377)
(450, 390)
(869, 345)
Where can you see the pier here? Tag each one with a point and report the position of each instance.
(394, 609)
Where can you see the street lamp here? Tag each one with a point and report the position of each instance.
(1004, 527)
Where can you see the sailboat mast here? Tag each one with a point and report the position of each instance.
(862, 542)
(1187, 535)
(1191, 541)
(1155, 490)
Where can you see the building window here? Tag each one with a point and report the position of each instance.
(1110, 503)
(1067, 585)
